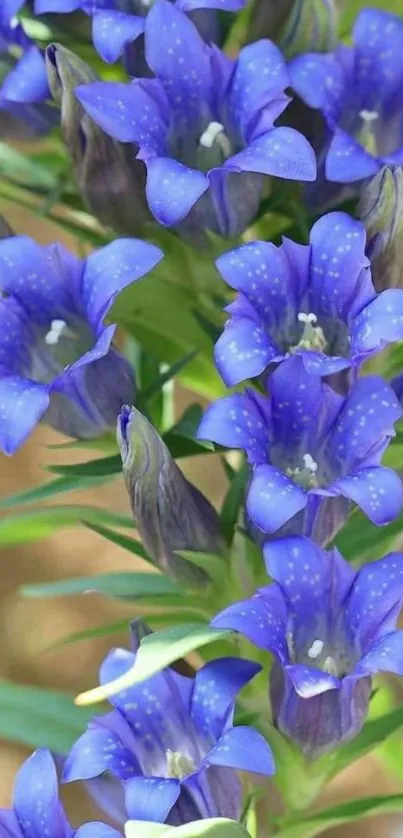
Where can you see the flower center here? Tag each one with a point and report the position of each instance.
(313, 336)
(327, 664)
(57, 329)
(366, 135)
(305, 476)
(179, 765)
(214, 146)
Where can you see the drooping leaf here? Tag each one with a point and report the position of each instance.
(49, 490)
(352, 811)
(130, 544)
(155, 386)
(210, 828)
(40, 718)
(233, 502)
(92, 468)
(42, 523)
(129, 586)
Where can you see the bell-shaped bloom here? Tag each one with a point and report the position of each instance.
(316, 301)
(204, 126)
(171, 742)
(358, 91)
(23, 85)
(296, 25)
(306, 443)
(56, 355)
(116, 24)
(109, 178)
(169, 512)
(37, 810)
(381, 212)
(330, 629)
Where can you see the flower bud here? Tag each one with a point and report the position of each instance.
(381, 211)
(110, 179)
(169, 512)
(298, 26)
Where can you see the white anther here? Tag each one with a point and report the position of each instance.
(210, 135)
(56, 330)
(330, 666)
(316, 649)
(369, 116)
(307, 318)
(310, 463)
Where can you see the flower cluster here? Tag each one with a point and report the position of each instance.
(194, 141)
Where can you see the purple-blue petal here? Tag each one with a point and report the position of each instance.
(9, 826)
(100, 749)
(112, 31)
(96, 829)
(151, 798)
(375, 600)
(260, 75)
(36, 798)
(236, 422)
(22, 405)
(65, 6)
(273, 499)
(172, 189)
(379, 323)
(126, 112)
(317, 78)
(386, 655)
(245, 749)
(109, 270)
(378, 40)
(27, 81)
(262, 619)
(225, 5)
(378, 491)
(282, 152)
(184, 67)
(347, 161)
(215, 688)
(9, 9)
(340, 277)
(243, 351)
(309, 682)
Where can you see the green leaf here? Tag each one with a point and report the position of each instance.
(124, 541)
(212, 564)
(40, 718)
(130, 586)
(166, 376)
(42, 523)
(156, 652)
(361, 541)
(209, 828)
(181, 438)
(233, 503)
(49, 490)
(344, 813)
(90, 634)
(24, 169)
(93, 468)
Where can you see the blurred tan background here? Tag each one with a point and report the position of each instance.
(29, 627)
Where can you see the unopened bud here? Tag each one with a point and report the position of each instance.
(297, 26)
(170, 513)
(381, 211)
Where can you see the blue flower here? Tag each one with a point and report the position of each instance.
(316, 301)
(171, 742)
(358, 91)
(56, 355)
(204, 125)
(37, 810)
(24, 87)
(118, 23)
(306, 443)
(330, 630)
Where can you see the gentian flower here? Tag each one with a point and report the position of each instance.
(37, 810)
(170, 513)
(381, 211)
(358, 90)
(23, 86)
(56, 355)
(118, 23)
(316, 301)
(330, 629)
(171, 742)
(204, 125)
(307, 443)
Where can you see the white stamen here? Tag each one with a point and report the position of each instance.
(316, 649)
(307, 318)
(310, 463)
(330, 666)
(178, 764)
(56, 330)
(369, 116)
(210, 135)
